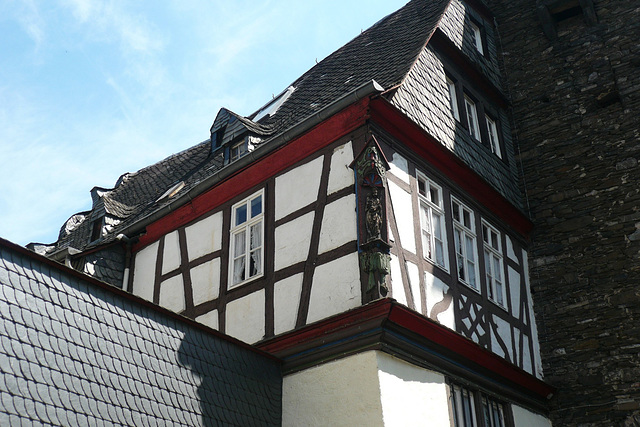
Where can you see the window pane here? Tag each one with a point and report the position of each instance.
(238, 270)
(255, 263)
(456, 211)
(435, 196)
(439, 253)
(422, 187)
(255, 238)
(239, 244)
(241, 214)
(467, 218)
(256, 206)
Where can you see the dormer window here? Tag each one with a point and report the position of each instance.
(453, 99)
(472, 117)
(476, 33)
(237, 150)
(96, 229)
(492, 135)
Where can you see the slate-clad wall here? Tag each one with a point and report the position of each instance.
(73, 352)
(576, 103)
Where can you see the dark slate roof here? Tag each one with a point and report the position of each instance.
(384, 53)
(74, 352)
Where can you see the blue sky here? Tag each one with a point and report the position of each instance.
(91, 89)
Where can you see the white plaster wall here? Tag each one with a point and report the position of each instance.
(534, 327)
(335, 288)
(435, 290)
(341, 175)
(525, 418)
(514, 290)
(297, 188)
(345, 392)
(245, 317)
(204, 236)
(171, 255)
(411, 395)
(286, 295)
(414, 281)
(292, 241)
(205, 281)
(403, 212)
(338, 224)
(510, 252)
(397, 288)
(504, 332)
(144, 272)
(210, 319)
(399, 167)
(526, 356)
(172, 294)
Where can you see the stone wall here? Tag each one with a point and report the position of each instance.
(576, 109)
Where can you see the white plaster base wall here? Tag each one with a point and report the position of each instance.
(367, 389)
(525, 418)
(144, 272)
(411, 395)
(245, 317)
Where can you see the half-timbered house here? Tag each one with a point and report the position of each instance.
(365, 226)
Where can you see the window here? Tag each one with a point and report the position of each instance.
(493, 413)
(453, 99)
(237, 150)
(492, 133)
(96, 229)
(472, 117)
(493, 264)
(467, 414)
(464, 412)
(476, 33)
(465, 241)
(434, 246)
(247, 229)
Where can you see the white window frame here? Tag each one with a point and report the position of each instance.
(492, 131)
(464, 232)
(494, 265)
(453, 98)
(476, 32)
(240, 234)
(472, 117)
(433, 230)
(238, 150)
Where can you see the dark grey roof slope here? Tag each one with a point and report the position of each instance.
(384, 53)
(74, 352)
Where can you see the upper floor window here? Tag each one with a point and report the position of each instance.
(432, 222)
(465, 242)
(492, 134)
(493, 264)
(472, 117)
(453, 99)
(476, 33)
(247, 230)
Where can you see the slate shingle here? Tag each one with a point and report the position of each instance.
(51, 372)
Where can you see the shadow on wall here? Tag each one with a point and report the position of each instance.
(237, 385)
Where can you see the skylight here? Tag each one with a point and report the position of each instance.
(271, 108)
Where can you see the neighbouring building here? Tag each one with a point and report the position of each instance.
(371, 228)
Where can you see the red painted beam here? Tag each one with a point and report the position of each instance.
(386, 312)
(258, 172)
(466, 348)
(427, 147)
